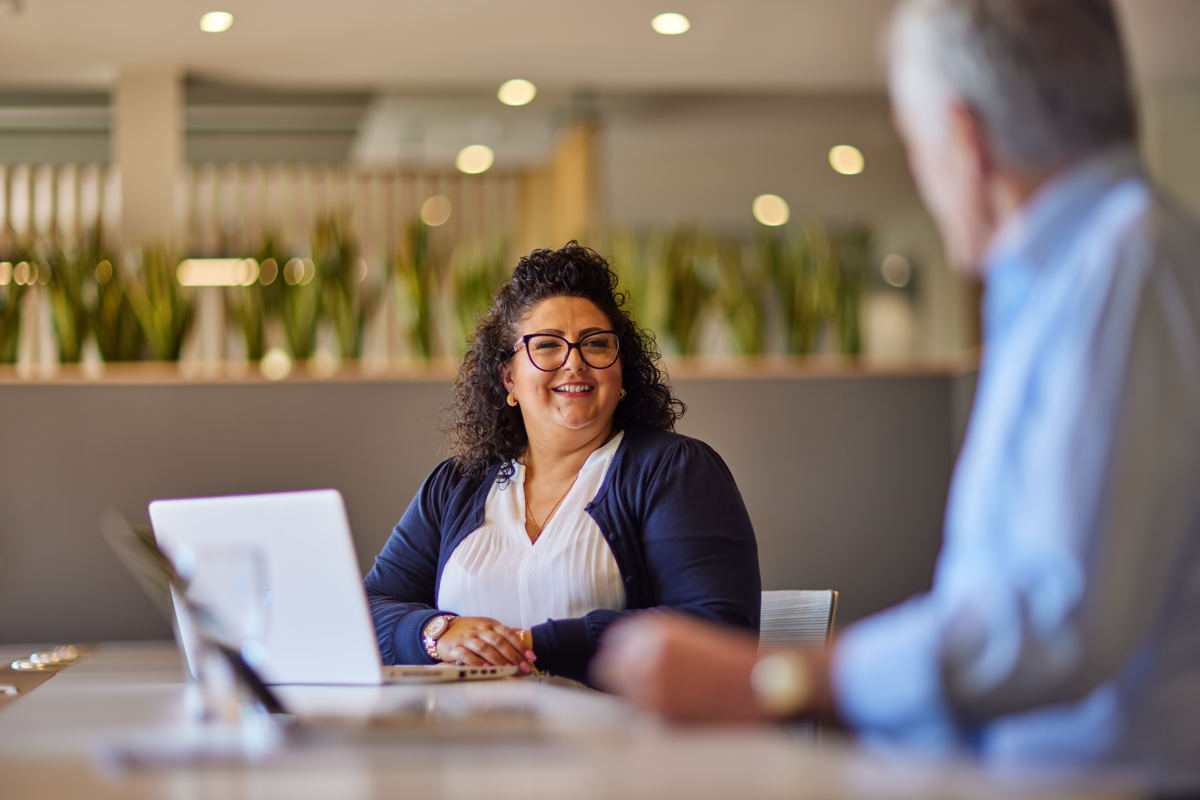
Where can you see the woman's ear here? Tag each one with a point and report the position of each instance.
(506, 376)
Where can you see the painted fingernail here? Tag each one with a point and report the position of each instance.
(525, 667)
(529, 654)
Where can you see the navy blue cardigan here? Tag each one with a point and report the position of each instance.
(669, 509)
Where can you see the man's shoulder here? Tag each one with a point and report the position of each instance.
(1143, 232)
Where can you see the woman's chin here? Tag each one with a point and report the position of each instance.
(579, 420)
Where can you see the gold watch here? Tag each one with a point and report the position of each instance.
(783, 684)
(433, 631)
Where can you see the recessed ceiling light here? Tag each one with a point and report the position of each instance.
(216, 22)
(846, 159)
(474, 159)
(516, 92)
(771, 210)
(670, 24)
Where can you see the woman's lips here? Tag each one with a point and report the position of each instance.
(574, 389)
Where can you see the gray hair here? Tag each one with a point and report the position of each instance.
(1048, 79)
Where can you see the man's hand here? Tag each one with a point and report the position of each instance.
(680, 667)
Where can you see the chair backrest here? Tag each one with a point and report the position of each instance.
(797, 617)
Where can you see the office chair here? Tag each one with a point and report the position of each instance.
(796, 617)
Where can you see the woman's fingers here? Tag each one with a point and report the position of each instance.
(479, 641)
(462, 655)
(494, 645)
(487, 652)
(506, 643)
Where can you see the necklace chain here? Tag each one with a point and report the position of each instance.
(529, 513)
(557, 503)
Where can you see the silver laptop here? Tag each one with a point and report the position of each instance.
(308, 615)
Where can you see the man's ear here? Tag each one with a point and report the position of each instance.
(968, 137)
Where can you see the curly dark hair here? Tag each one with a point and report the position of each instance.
(484, 429)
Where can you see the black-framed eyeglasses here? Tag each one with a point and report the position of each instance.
(549, 351)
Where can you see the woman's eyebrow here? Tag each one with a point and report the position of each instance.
(582, 333)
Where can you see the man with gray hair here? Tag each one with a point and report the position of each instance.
(1063, 625)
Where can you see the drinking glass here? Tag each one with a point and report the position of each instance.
(227, 603)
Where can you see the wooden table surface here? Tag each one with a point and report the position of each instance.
(116, 724)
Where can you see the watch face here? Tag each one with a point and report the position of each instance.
(436, 627)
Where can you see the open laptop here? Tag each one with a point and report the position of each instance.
(317, 629)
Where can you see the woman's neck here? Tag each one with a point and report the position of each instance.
(557, 461)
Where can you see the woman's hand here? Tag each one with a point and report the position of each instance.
(481, 641)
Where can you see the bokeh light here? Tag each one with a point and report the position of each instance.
(516, 92)
(671, 24)
(846, 159)
(268, 271)
(276, 364)
(474, 159)
(771, 210)
(436, 210)
(896, 270)
(217, 272)
(216, 22)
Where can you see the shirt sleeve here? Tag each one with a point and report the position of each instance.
(696, 545)
(698, 539)
(1070, 510)
(401, 586)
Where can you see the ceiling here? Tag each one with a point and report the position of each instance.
(562, 45)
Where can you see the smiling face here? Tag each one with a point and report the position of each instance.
(574, 403)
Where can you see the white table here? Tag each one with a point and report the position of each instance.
(515, 738)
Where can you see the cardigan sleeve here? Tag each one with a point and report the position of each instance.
(684, 541)
(401, 587)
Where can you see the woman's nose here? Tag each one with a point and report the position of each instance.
(575, 357)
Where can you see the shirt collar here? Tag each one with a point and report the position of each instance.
(1031, 239)
(1036, 230)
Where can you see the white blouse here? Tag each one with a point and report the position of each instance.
(497, 572)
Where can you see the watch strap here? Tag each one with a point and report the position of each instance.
(431, 642)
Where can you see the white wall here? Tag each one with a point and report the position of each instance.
(702, 160)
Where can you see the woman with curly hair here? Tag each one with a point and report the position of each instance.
(569, 501)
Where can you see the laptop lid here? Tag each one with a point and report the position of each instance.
(316, 626)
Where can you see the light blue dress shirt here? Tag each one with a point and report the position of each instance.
(1063, 626)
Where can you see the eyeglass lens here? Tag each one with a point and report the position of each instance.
(548, 352)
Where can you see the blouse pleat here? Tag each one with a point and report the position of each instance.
(497, 572)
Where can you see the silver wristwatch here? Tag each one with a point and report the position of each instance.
(433, 631)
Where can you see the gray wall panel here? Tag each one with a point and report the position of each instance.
(844, 477)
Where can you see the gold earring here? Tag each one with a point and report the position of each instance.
(512, 399)
(621, 395)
